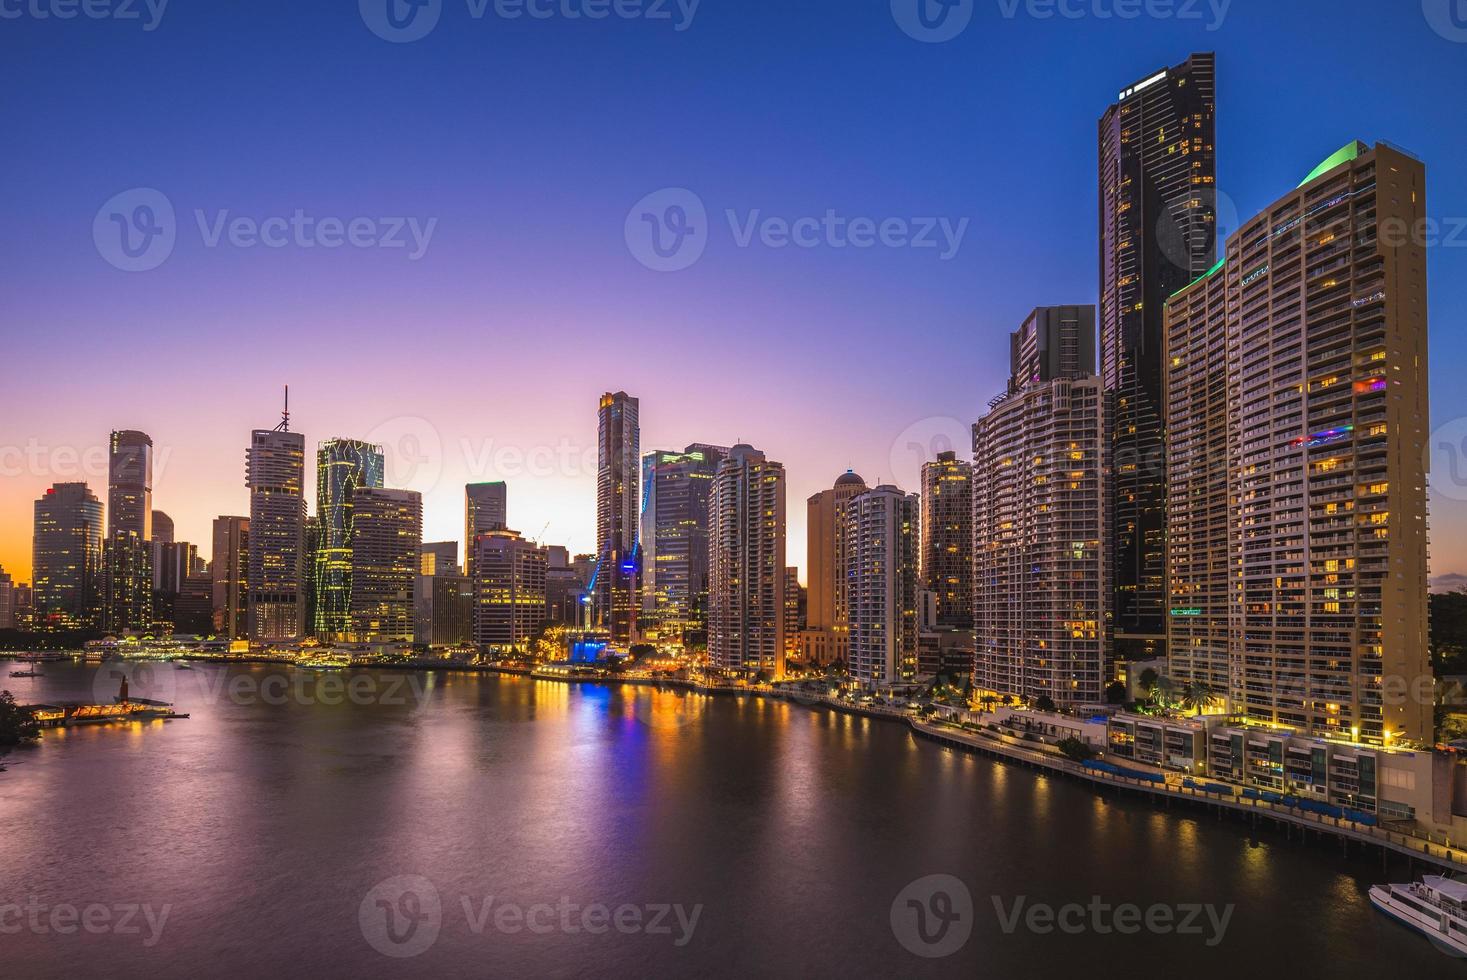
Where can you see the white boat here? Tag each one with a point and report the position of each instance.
(1435, 906)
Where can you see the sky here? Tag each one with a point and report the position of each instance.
(443, 242)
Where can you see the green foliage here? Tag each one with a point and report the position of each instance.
(1076, 750)
(1449, 632)
(1044, 703)
(17, 725)
(1115, 693)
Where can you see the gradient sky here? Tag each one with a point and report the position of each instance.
(530, 141)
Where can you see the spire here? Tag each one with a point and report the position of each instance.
(284, 425)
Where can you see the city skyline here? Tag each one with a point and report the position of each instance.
(870, 409)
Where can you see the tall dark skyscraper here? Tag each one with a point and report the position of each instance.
(127, 562)
(66, 562)
(618, 504)
(275, 471)
(486, 508)
(677, 487)
(1158, 232)
(343, 466)
(130, 484)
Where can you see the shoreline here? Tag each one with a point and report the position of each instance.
(996, 746)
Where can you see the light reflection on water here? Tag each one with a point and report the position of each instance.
(265, 825)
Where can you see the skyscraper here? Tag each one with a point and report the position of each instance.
(1040, 458)
(67, 558)
(618, 502)
(1158, 231)
(1297, 423)
(127, 574)
(881, 575)
(7, 601)
(946, 550)
(229, 575)
(486, 508)
(343, 466)
(747, 542)
(827, 628)
(677, 487)
(386, 538)
(162, 535)
(275, 471)
(130, 484)
(509, 590)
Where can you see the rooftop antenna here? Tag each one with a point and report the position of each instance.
(284, 425)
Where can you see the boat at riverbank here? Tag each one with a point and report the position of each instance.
(1435, 906)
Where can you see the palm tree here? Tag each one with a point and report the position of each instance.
(1196, 696)
(1165, 692)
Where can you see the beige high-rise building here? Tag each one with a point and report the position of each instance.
(1041, 460)
(509, 590)
(826, 636)
(881, 575)
(746, 543)
(1296, 439)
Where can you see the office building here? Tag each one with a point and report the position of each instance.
(387, 533)
(7, 601)
(66, 558)
(1158, 231)
(618, 505)
(1297, 426)
(486, 508)
(130, 484)
(826, 636)
(946, 548)
(677, 489)
(275, 472)
(747, 543)
(509, 591)
(343, 467)
(229, 576)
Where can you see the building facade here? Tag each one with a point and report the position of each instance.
(275, 472)
(826, 637)
(946, 547)
(509, 591)
(1040, 461)
(66, 549)
(387, 534)
(881, 573)
(1297, 427)
(343, 467)
(229, 576)
(486, 508)
(677, 489)
(747, 537)
(618, 506)
(1158, 232)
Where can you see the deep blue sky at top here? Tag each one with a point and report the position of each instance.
(530, 140)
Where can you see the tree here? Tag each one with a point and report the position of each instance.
(988, 701)
(1196, 696)
(17, 724)
(1115, 693)
(1076, 750)
(1165, 692)
(1449, 631)
(1148, 681)
(1044, 703)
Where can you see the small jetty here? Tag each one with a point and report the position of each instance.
(72, 714)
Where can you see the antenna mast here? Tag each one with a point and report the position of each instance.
(284, 425)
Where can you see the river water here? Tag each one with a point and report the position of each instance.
(386, 824)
